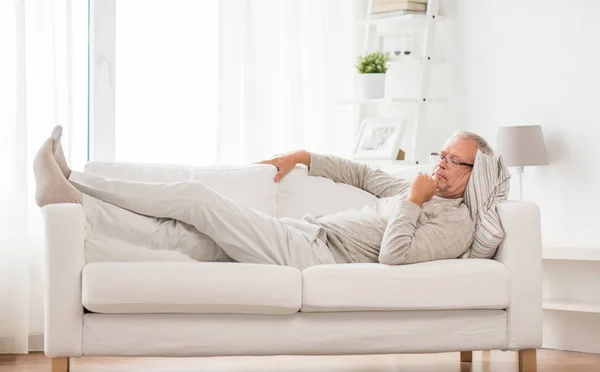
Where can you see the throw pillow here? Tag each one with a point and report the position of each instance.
(489, 186)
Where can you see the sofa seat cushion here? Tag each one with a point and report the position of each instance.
(437, 285)
(190, 287)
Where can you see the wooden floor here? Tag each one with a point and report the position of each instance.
(495, 361)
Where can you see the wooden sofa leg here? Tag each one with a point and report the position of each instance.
(466, 356)
(61, 364)
(527, 360)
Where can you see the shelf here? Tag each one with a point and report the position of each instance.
(410, 58)
(410, 17)
(404, 58)
(390, 101)
(570, 305)
(571, 253)
(377, 101)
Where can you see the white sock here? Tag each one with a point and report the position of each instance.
(59, 156)
(51, 186)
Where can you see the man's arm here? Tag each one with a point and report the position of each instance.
(358, 175)
(337, 169)
(444, 237)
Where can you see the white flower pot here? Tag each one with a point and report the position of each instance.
(373, 86)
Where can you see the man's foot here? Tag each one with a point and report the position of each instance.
(51, 187)
(59, 156)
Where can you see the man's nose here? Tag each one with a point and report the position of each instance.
(443, 163)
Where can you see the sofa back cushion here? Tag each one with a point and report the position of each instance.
(249, 185)
(300, 194)
(252, 185)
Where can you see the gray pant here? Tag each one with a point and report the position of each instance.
(191, 215)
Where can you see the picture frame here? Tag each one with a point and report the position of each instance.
(379, 139)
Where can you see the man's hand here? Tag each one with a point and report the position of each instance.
(422, 189)
(285, 163)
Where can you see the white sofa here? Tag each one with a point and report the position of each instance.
(183, 309)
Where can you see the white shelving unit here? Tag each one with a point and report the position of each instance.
(571, 286)
(374, 34)
(570, 256)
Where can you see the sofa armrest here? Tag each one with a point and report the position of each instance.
(521, 253)
(64, 257)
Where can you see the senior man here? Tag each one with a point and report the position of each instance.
(411, 222)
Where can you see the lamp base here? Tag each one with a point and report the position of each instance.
(520, 170)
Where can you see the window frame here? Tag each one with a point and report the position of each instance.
(101, 79)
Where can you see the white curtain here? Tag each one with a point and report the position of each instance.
(36, 92)
(285, 67)
(245, 80)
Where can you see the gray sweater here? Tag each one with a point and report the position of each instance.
(393, 230)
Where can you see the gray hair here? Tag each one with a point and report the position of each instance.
(482, 144)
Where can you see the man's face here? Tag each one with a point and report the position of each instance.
(453, 178)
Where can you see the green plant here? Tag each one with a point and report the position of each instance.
(374, 63)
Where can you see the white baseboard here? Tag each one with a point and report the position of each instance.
(36, 343)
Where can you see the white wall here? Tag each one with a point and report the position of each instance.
(537, 62)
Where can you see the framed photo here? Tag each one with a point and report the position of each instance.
(379, 139)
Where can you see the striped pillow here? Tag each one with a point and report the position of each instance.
(488, 186)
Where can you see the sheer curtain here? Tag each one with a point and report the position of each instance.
(36, 92)
(232, 81)
(285, 66)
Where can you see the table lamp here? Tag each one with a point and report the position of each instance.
(520, 147)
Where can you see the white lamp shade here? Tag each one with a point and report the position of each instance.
(522, 146)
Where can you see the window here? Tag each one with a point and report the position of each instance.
(162, 79)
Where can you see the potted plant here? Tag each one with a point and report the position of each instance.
(372, 68)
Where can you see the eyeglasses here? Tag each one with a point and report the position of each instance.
(436, 157)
